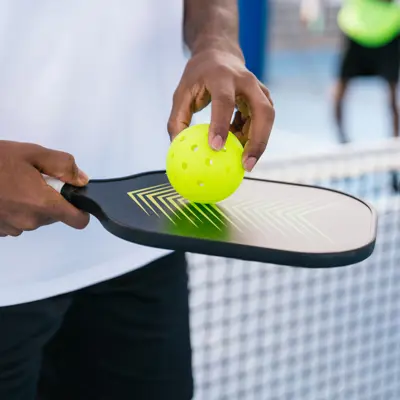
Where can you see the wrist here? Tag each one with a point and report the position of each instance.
(211, 43)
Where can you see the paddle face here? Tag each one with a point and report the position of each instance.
(263, 221)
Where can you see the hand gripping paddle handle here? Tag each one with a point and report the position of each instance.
(63, 188)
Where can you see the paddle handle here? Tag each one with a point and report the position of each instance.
(69, 192)
(55, 183)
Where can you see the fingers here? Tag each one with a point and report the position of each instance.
(27, 202)
(8, 230)
(181, 113)
(61, 210)
(50, 208)
(222, 108)
(252, 124)
(262, 120)
(59, 165)
(236, 127)
(267, 93)
(240, 127)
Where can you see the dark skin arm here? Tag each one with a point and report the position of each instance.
(217, 73)
(212, 22)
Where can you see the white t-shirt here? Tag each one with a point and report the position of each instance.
(94, 78)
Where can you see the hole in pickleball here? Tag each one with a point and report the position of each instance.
(172, 155)
(195, 147)
(209, 162)
(200, 183)
(228, 169)
(182, 138)
(184, 165)
(224, 149)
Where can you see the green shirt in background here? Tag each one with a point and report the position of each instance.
(371, 23)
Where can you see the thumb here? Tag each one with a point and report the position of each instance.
(58, 164)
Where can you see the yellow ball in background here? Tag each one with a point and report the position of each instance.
(199, 173)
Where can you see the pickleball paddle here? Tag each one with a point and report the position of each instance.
(264, 221)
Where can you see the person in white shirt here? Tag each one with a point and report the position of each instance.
(96, 86)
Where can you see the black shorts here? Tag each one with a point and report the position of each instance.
(359, 61)
(124, 339)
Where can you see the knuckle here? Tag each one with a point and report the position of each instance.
(263, 87)
(248, 78)
(225, 99)
(30, 224)
(68, 160)
(222, 70)
(14, 232)
(267, 93)
(26, 222)
(266, 106)
(171, 125)
(271, 111)
(68, 165)
(264, 101)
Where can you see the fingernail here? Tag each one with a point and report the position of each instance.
(83, 178)
(250, 163)
(217, 143)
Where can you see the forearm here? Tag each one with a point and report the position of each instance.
(212, 24)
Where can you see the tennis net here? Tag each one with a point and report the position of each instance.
(268, 332)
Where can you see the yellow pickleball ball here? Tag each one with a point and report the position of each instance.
(199, 173)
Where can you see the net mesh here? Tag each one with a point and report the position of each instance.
(263, 331)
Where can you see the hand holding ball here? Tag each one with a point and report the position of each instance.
(199, 173)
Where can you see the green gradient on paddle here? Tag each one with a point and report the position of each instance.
(199, 220)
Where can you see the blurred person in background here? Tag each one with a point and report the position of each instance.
(370, 47)
(84, 315)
